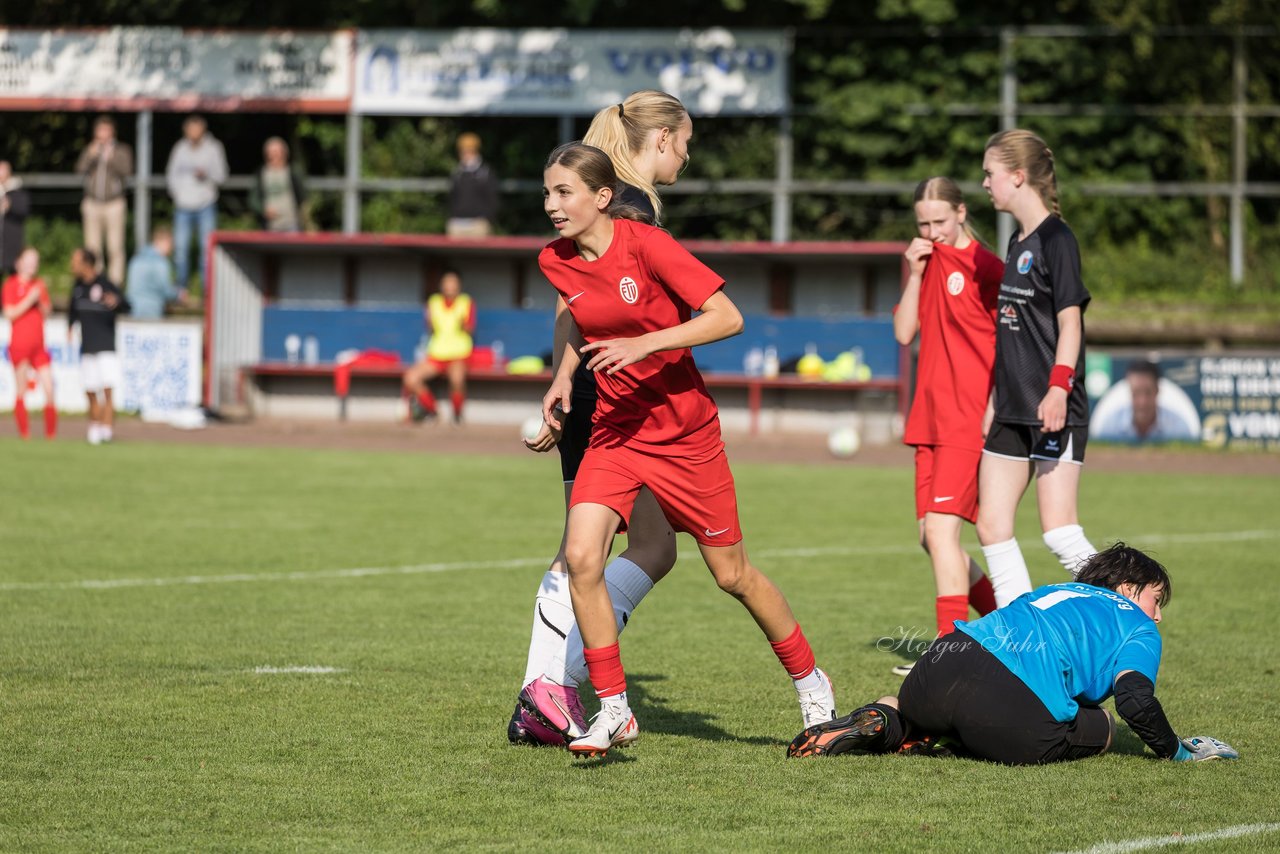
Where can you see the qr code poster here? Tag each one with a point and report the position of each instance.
(161, 366)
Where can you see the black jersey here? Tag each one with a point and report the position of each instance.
(97, 322)
(1041, 278)
(584, 381)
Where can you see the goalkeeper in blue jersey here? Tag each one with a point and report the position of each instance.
(1021, 686)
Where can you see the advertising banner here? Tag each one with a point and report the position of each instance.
(568, 72)
(160, 364)
(133, 68)
(1220, 401)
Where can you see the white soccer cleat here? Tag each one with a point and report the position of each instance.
(819, 705)
(609, 728)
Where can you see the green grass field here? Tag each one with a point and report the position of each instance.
(141, 586)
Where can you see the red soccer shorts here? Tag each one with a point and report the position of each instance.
(696, 495)
(947, 481)
(20, 352)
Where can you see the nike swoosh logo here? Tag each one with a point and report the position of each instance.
(711, 533)
(572, 298)
(945, 498)
(619, 728)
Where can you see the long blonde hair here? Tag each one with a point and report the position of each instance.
(620, 131)
(942, 189)
(1022, 149)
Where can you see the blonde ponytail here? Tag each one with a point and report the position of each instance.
(621, 130)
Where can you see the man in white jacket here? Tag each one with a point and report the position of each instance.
(197, 166)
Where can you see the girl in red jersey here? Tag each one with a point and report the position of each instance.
(26, 305)
(950, 299)
(1041, 413)
(647, 138)
(631, 291)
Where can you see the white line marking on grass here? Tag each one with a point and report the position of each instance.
(520, 563)
(1190, 839)
(306, 668)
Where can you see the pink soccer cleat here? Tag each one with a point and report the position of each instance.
(556, 706)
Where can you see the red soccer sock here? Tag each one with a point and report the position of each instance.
(20, 415)
(604, 667)
(795, 654)
(50, 421)
(457, 399)
(428, 400)
(949, 609)
(982, 596)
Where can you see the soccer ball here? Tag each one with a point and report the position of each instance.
(531, 427)
(844, 441)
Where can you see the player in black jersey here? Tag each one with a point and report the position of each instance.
(1041, 411)
(647, 138)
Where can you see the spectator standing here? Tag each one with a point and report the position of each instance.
(278, 195)
(473, 192)
(197, 167)
(26, 304)
(106, 166)
(150, 284)
(15, 204)
(95, 302)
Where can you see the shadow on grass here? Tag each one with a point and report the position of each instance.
(906, 643)
(656, 717)
(1126, 743)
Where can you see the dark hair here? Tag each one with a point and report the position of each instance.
(1142, 366)
(1123, 564)
(88, 256)
(596, 170)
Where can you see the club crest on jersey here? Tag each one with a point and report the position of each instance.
(627, 287)
(955, 283)
(1024, 262)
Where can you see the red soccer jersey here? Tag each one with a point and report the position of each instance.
(645, 281)
(958, 295)
(28, 328)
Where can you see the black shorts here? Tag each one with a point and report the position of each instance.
(960, 689)
(1027, 442)
(575, 437)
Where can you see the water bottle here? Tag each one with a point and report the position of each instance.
(292, 344)
(771, 365)
(311, 350)
(499, 354)
(753, 362)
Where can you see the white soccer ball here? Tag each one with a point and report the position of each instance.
(531, 427)
(844, 441)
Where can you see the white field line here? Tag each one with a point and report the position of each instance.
(302, 668)
(1144, 540)
(1190, 839)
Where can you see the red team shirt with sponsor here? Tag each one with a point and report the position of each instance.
(28, 329)
(958, 296)
(644, 282)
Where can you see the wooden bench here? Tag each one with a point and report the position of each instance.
(754, 386)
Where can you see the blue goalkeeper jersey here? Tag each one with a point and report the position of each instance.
(1068, 642)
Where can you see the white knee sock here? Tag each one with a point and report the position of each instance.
(1070, 545)
(1007, 570)
(627, 585)
(552, 622)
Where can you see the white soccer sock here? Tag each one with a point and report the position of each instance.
(812, 682)
(1070, 545)
(615, 704)
(627, 584)
(1007, 570)
(552, 622)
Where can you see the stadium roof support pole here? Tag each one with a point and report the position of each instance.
(1239, 160)
(1008, 120)
(782, 182)
(566, 129)
(142, 184)
(351, 182)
